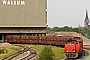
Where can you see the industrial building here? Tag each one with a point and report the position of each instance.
(23, 17)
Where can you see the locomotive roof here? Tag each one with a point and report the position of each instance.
(75, 38)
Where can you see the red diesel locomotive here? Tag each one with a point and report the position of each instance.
(73, 47)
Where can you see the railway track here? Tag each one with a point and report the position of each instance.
(87, 50)
(31, 54)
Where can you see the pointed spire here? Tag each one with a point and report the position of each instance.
(86, 15)
(86, 21)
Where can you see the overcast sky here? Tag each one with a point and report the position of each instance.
(67, 12)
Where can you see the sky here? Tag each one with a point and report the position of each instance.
(67, 12)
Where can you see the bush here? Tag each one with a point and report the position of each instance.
(46, 54)
(3, 51)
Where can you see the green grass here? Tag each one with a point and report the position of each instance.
(58, 51)
(88, 58)
(10, 50)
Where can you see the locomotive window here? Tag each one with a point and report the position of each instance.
(72, 42)
(76, 42)
(68, 42)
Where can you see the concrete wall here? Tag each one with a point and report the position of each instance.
(22, 30)
(33, 13)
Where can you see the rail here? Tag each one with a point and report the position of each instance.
(32, 54)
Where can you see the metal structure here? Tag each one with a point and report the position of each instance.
(46, 40)
(23, 17)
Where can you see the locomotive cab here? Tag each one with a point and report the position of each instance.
(70, 49)
(73, 48)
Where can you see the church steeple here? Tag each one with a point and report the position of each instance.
(86, 19)
(86, 15)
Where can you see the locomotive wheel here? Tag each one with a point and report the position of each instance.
(76, 55)
(71, 55)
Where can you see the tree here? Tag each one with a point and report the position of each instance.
(69, 29)
(48, 30)
(46, 54)
(66, 28)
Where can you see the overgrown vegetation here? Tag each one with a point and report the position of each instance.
(7, 51)
(69, 29)
(3, 51)
(46, 54)
(58, 51)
